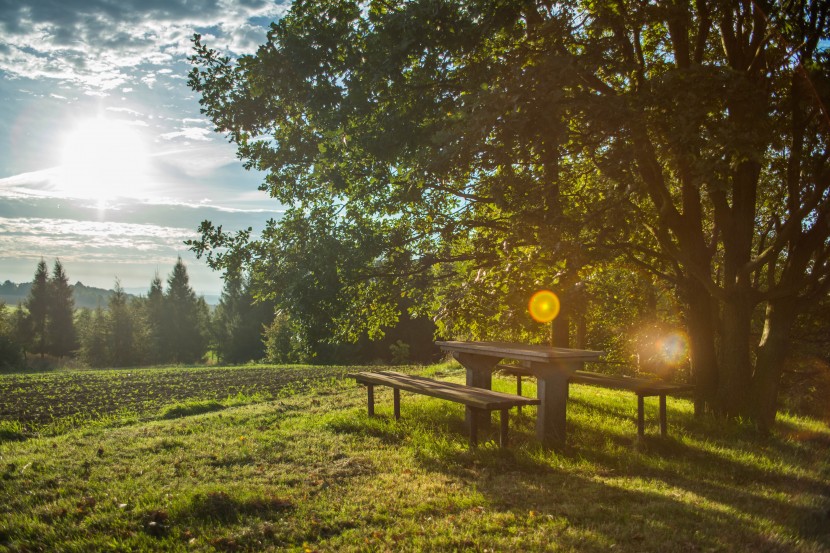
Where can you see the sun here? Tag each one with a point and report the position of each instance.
(103, 159)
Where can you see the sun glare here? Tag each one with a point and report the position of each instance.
(103, 159)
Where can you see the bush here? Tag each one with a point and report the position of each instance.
(11, 355)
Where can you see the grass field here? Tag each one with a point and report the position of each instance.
(261, 458)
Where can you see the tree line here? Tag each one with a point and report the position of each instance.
(171, 325)
(168, 325)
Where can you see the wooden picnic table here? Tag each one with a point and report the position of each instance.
(552, 367)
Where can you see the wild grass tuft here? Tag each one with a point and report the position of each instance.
(189, 408)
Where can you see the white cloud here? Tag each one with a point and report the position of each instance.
(89, 240)
(190, 133)
(97, 45)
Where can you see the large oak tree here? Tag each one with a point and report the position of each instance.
(487, 147)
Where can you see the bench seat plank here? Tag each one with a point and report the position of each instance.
(641, 386)
(478, 399)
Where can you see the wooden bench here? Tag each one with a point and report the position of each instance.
(474, 398)
(641, 386)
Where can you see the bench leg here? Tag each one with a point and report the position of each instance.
(503, 429)
(473, 425)
(518, 392)
(479, 374)
(370, 399)
(396, 402)
(663, 426)
(641, 430)
(550, 417)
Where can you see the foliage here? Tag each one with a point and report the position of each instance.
(239, 322)
(37, 303)
(400, 352)
(63, 339)
(282, 341)
(468, 154)
(154, 315)
(120, 330)
(93, 331)
(161, 328)
(11, 351)
(185, 319)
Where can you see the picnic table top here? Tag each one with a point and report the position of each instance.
(520, 352)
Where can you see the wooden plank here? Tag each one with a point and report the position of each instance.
(641, 426)
(503, 422)
(641, 386)
(521, 352)
(478, 374)
(474, 397)
(552, 389)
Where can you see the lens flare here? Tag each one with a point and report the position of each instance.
(674, 348)
(543, 306)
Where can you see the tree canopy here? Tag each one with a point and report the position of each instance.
(469, 153)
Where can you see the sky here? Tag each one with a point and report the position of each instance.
(105, 160)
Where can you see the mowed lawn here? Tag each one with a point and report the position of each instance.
(285, 458)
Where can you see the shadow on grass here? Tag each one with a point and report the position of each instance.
(219, 506)
(708, 488)
(384, 429)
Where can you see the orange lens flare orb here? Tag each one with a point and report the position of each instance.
(543, 306)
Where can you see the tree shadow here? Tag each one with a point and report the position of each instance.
(719, 496)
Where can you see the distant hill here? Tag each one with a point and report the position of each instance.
(85, 296)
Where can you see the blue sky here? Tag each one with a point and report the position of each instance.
(105, 161)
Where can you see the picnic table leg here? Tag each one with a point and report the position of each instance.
(641, 427)
(552, 391)
(479, 374)
(518, 392)
(663, 426)
(503, 421)
(396, 402)
(370, 392)
(473, 425)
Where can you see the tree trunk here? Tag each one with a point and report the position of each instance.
(560, 335)
(735, 361)
(772, 352)
(700, 320)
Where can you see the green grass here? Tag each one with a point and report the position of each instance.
(309, 471)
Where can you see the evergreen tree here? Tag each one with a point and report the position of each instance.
(185, 322)
(239, 322)
(158, 348)
(38, 305)
(60, 326)
(120, 329)
(92, 328)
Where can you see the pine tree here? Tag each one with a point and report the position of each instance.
(60, 326)
(158, 348)
(120, 329)
(239, 322)
(185, 318)
(92, 326)
(38, 305)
